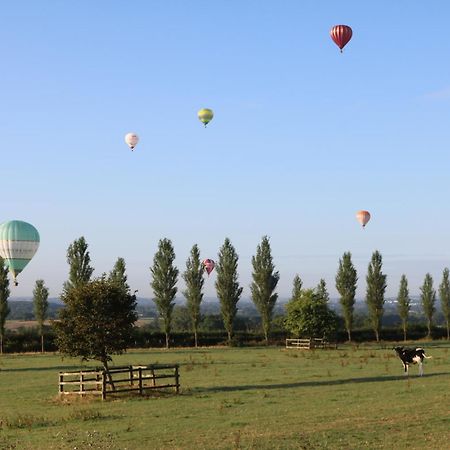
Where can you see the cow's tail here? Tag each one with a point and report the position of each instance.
(427, 357)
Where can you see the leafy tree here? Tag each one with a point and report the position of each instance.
(118, 274)
(265, 281)
(428, 298)
(444, 294)
(164, 280)
(79, 261)
(96, 322)
(309, 316)
(376, 287)
(403, 304)
(321, 291)
(4, 295)
(181, 319)
(40, 301)
(346, 279)
(193, 277)
(227, 285)
(297, 287)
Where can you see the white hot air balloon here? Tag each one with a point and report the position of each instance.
(131, 139)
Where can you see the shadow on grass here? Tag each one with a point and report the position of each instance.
(251, 387)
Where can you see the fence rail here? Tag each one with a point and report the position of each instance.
(309, 344)
(119, 379)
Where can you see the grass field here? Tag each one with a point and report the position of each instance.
(249, 398)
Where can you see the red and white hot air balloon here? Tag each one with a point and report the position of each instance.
(131, 139)
(341, 35)
(363, 217)
(209, 265)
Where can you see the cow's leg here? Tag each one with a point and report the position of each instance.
(406, 368)
(420, 369)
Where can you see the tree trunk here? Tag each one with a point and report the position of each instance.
(195, 338)
(349, 334)
(229, 338)
(42, 342)
(404, 332)
(266, 337)
(377, 336)
(1, 344)
(108, 374)
(167, 340)
(429, 328)
(448, 331)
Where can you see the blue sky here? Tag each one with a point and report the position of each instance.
(303, 136)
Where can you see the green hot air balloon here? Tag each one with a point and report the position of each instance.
(19, 242)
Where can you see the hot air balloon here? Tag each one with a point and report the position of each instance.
(341, 34)
(205, 115)
(209, 265)
(131, 139)
(363, 217)
(19, 242)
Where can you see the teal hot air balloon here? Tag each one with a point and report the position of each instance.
(19, 242)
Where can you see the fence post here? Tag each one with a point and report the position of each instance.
(103, 385)
(177, 380)
(81, 383)
(131, 376)
(61, 385)
(153, 377)
(140, 380)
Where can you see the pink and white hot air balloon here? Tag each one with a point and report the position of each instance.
(363, 217)
(131, 139)
(209, 265)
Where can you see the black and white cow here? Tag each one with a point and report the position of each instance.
(411, 355)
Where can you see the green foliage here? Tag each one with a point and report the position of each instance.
(227, 285)
(97, 320)
(181, 319)
(297, 287)
(444, 294)
(376, 287)
(403, 303)
(346, 280)
(265, 281)
(309, 316)
(164, 280)
(428, 299)
(4, 295)
(193, 277)
(118, 274)
(40, 302)
(79, 261)
(321, 291)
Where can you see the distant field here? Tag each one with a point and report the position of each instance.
(249, 398)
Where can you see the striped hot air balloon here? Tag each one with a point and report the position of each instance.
(209, 265)
(131, 139)
(205, 115)
(19, 242)
(363, 217)
(341, 35)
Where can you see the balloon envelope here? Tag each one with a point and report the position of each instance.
(19, 242)
(131, 140)
(205, 115)
(209, 265)
(363, 217)
(341, 35)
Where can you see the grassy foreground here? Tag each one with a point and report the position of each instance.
(259, 398)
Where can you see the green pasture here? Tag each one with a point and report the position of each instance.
(238, 398)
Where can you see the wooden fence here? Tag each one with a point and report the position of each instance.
(124, 379)
(309, 344)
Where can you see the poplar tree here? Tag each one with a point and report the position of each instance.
(118, 274)
(322, 292)
(346, 279)
(428, 298)
(40, 302)
(444, 294)
(227, 285)
(376, 287)
(265, 281)
(80, 271)
(403, 304)
(4, 295)
(164, 280)
(297, 285)
(193, 277)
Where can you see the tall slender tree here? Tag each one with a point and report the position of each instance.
(227, 285)
(164, 280)
(346, 279)
(403, 304)
(322, 292)
(265, 281)
(80, 271)
(428, 298)
(444, 294)
(297, 285)
(376, 287)
(4, 295)
(193, 277)
(40, 301)
(118, 274)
